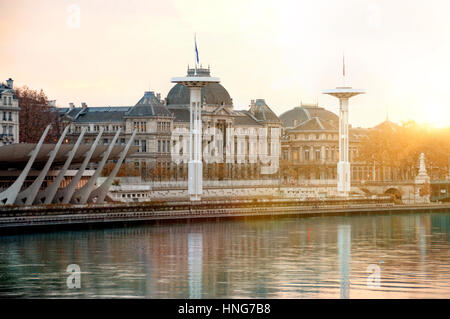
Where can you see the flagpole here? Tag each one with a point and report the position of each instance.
(195, 52)
(343, 69)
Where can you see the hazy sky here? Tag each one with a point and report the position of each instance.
(282, 51)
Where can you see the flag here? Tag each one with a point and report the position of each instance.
(196, 51)
(343, 65)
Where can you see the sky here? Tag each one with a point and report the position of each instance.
(108, 52)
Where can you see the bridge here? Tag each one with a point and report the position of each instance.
(440, 191)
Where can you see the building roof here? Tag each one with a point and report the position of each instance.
(148, 105)
(387, 125)
(213, 93)
(97, 114)
(303, 113)
(315, 124)
(181, 114)
(245, 118)
(5, 88)
(262, 112)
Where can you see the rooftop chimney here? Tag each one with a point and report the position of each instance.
(158, 97)
(10, 83)
(71, 105)
(83, 105)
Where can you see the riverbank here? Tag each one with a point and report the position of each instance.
(19, 218)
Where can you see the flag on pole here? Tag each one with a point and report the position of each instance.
(343, 65)
(196, 51)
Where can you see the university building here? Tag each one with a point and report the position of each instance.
(155, 119)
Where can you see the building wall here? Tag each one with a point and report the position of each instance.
(9, 116)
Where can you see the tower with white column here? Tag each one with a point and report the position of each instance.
(343, 93)
(195, 166)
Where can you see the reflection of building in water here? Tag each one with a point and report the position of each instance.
(344, 248)
(195, 262)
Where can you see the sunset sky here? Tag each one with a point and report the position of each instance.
(282, 51)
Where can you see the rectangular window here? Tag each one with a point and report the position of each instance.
(159, 146)
(4, 129)
(9, 100)
(168, 146)
(4, 100)
(164, 147)
(4, 116)
(105, 141)
(122, 141)
(10, 130)
(144, 146)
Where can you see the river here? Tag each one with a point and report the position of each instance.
(378, 256)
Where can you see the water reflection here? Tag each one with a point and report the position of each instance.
(323, 257)
(344, 245)
(195, 249)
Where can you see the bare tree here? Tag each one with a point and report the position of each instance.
(35, 114)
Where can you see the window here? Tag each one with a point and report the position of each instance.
(143, 126)
(10, 116)
(159, 146)
(122, 141)
(4, 129)
(105, 141)
(168, 146)
(164, 146)
(307, 155)
(10, 130)
(4, 116)
(144, 146)
(317, 155)
(9, 100)
(4, 100)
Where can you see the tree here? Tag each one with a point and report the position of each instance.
(34, 116)
(399, 147)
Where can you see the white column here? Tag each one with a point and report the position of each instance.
(195, 186)
(343, 168)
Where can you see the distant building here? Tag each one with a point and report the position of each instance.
(310, 148)
(156, 119)
(9, 114)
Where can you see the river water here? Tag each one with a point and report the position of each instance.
(379, 256)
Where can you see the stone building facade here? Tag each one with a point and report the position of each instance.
(156, 119)
(9, 114)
